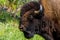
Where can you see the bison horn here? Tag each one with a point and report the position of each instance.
(37, 11)
(40, 10)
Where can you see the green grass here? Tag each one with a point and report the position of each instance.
(9, 31)
(9, 28)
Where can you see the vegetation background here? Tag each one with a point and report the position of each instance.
(9, 22)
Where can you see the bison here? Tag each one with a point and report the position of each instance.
(41, 18)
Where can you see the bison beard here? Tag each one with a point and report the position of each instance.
(45, 22)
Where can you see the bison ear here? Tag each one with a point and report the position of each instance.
(41, 10)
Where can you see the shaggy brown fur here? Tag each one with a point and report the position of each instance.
(52, 13)
(30, 9)
(49, 24)
(28, 6)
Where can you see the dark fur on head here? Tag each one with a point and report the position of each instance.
(28, 15)
(32, 5)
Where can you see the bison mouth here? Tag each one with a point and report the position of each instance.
(28, 34)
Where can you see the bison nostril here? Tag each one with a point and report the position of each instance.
(21, 27)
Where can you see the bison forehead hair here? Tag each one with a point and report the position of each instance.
(28, 6)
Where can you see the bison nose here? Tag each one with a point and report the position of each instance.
(22, 27)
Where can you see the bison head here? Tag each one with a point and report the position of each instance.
(29, 21)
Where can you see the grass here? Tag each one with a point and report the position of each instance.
(9, 28)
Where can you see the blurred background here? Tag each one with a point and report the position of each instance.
(9, 20)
